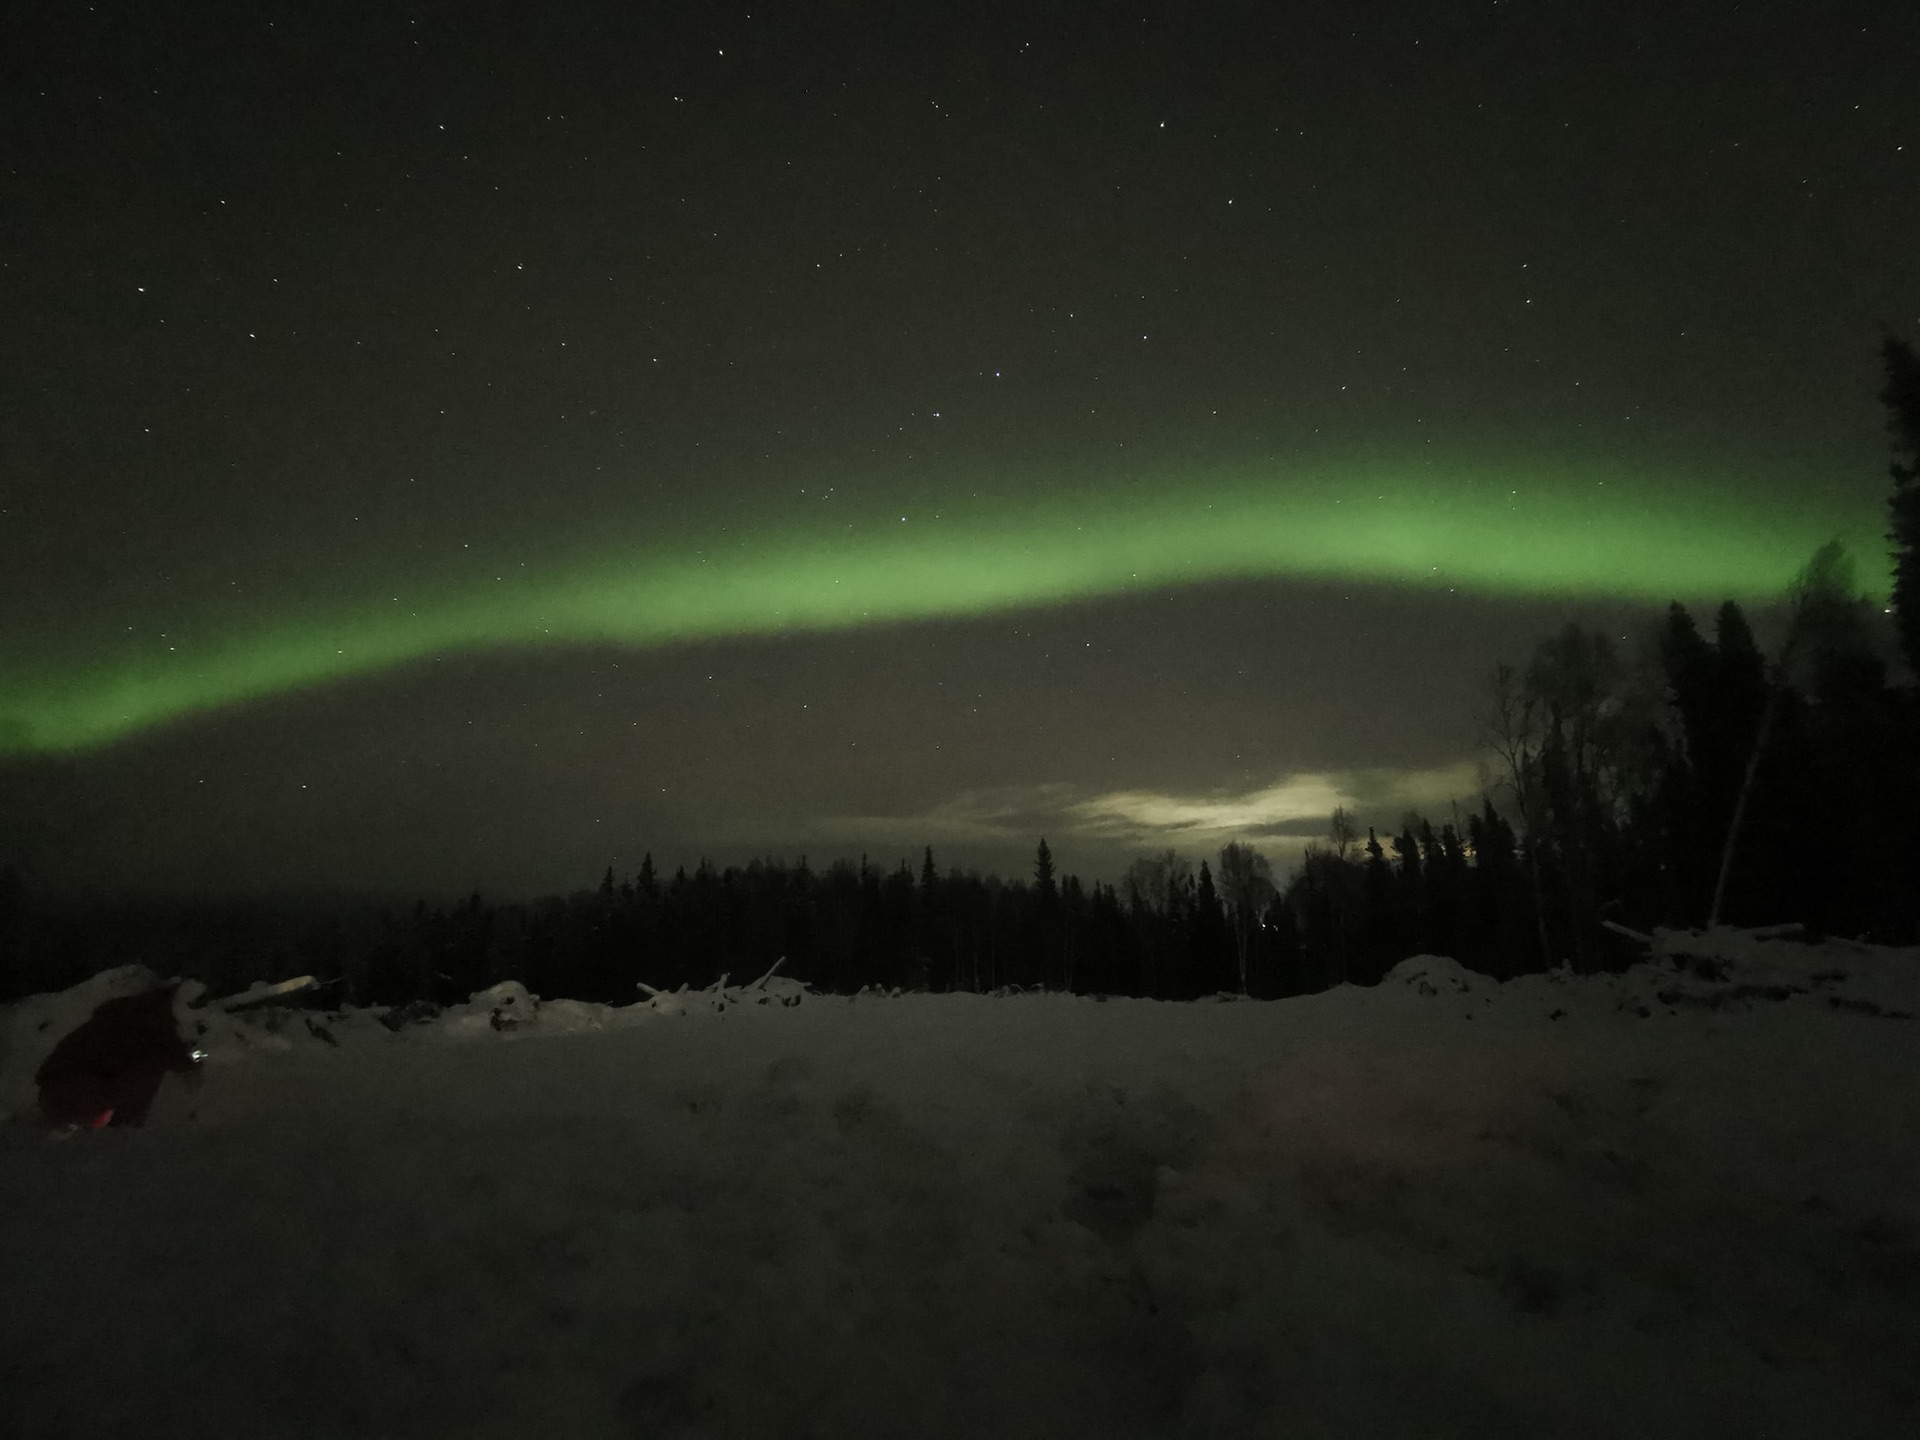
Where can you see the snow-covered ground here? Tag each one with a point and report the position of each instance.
(1665, 1203)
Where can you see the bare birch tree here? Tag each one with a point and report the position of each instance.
(1246, 884)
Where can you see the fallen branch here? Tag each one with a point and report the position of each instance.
(259, 993)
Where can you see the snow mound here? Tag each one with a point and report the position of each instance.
(1715, 968)
(1434, 975)
(509, 1010)
(579, 1017)
(506, 1007)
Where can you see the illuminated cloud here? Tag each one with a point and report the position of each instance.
(1298, 805)
(1294, 808)
(1146, 815)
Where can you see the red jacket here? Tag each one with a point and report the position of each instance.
(108, 1071)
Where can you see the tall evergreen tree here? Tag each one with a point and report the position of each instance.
(1381, 922)
(1283, 973)
(1497, 914)
(1443, 882)
(1717, 692)
(1408, 887)
(1042, 924)
(1742, 669)
(1075, 912)
(1902, 398)
(1208, 938)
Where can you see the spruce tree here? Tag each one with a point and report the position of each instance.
(1742, 668)
(1498, 902)
(1208, 939)
(1381, 923)
(1688, 661)
(1043, 873)
(1408, 884)
(1902, 398)
(1045, 966)
(1285, 974)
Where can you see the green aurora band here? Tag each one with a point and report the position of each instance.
(1616, 539)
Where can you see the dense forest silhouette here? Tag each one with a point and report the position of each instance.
(1704, 781)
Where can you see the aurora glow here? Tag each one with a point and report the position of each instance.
(1510, 536)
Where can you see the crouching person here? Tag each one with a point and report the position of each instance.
(108, 1071)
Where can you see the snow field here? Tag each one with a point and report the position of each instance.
(1428, 1209)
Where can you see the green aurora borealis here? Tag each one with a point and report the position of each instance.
(1504, 534)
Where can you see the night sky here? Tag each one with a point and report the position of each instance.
(471, 445)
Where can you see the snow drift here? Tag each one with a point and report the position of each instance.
(1678, 1201)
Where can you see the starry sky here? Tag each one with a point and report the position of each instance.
(471, 445)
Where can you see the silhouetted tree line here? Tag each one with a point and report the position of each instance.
(1702, 781)
(843, 928)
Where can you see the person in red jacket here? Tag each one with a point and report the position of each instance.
(108, 1071)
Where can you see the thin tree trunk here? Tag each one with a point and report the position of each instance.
(1539, 906)
(1759, 744)
(1740, 804)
